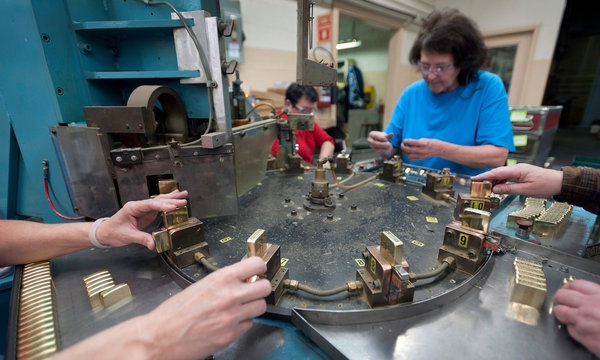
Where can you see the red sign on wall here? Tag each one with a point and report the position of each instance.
(324, 28)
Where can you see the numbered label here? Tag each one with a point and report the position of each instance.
(373, 265)
(360, 262)
(479, 205)
(284, 261)
(463, 240)
(225, 239)
(418, 243)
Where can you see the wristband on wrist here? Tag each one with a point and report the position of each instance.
(92, 234)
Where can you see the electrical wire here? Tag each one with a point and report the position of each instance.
(350, 187)
(203, 60)
(333, 186)
(54, 210)
(259, 105)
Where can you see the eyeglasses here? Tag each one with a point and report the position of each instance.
(437, 70)
(304, 109)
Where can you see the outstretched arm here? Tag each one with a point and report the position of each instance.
(478, 156)
(380, 143)
(529, 180)
(197, 322)
(23, 242)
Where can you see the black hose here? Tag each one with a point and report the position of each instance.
(442, 268)
(318, 292)
(210, 267)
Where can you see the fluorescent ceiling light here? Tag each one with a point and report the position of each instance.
(348, 44)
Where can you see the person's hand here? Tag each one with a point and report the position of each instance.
(126, 226)
(379, 142)
(210, 314)
(420, 149)
(577, 305)
(197, 322)
(529, 180)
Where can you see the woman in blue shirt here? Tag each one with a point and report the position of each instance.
(457, 116)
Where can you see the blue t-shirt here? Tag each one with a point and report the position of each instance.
(473, 114)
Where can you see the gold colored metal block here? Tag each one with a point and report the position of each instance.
(476, 219)
(439, 185)
(481, 189)
(96, 283)
(176, 217)
(102, 291)
(257, 243)
(161, 240)
(465, 245)
(465, 201)
(36, 332)
(533, 208)
(392, 248)
(167, 186)
(115, 294)
(551, 222)
(528, 283)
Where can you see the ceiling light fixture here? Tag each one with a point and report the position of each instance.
(348, 44)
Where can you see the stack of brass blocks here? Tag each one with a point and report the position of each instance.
(343, 164)
(385, 277)
(546, 221)
(392, 170)
(534, 207)
(465, 245)
(103, 292)
(553, 219)
(271, 255)
(181, 237)
(477, 199)
(528, 283)
(36, 337)
(465, 237)
(439, 186)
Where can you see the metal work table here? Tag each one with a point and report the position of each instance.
(459, 314)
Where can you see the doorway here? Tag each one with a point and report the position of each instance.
(360, 108)
(574, 77)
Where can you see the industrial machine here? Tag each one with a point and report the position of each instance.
(114, 101)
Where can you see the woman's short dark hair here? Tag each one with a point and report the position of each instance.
(294, 92)
(448, 31)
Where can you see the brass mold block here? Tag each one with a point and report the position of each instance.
(36, 330)
(465, 245)
(271, 255)
(102, 291)
(385, 278)
(439, 185)
(466, 201)
(528, 283)
(392, 170)
(481, 189)
(551, 222)
(534, 207)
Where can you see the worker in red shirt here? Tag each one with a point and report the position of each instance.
(302, 100)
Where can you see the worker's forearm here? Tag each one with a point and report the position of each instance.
(482, 156)
(128, 340)
(22, 242)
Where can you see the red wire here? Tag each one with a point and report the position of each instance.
(47, 193)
